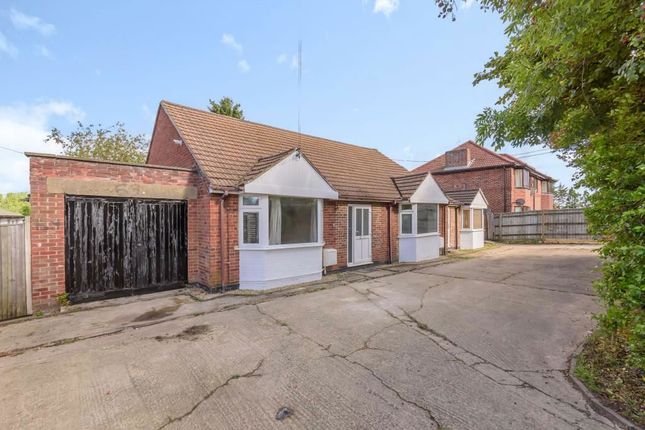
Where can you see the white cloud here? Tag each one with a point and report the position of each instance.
(7, 48)
(23, 128)
(243, 66)
(27, 22)
(294, 62)
(282, 58)
(407, 153)
(229, 40)
(386, 7)
(465, 4)
(42, 51)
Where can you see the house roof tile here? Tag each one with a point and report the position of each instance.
(480, 158)
(464, 197)
(408, 184)
(228, 150)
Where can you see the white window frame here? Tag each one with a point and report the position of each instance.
(410, 212)
(263, 228)
(471, 217)
(414, 211)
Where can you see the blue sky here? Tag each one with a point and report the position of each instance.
(386, 74)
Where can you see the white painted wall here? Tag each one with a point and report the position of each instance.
(293, 176)
(429, 192)
(279, 265)
(472, 239)
(415, 248)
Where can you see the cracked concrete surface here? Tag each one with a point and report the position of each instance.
(475, 343)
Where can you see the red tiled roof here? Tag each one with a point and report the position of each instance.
(227, 150)
(480, 158)
(265, 163)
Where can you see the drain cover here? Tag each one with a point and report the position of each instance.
(283, 413)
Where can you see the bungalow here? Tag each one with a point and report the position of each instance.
(225, 203)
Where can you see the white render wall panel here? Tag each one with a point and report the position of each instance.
(472, 239)
(262, 269)
(294, 177)
(417, 248)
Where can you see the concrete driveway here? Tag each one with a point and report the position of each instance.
(469, 343)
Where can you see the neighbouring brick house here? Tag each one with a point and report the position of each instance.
(226, 203)
(508, 183)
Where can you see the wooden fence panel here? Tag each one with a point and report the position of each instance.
(15, 271)
(543, 226)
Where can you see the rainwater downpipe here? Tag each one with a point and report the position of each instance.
(221, 238)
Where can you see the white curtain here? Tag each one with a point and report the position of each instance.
(275, 221)
(313, 224)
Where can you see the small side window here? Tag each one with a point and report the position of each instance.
(406, 223)
(466, 219)
(250, 227)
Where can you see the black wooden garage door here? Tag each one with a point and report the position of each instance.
(123, 246)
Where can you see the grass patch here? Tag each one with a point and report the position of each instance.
(605, 370)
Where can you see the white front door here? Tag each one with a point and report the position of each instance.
(361, 238)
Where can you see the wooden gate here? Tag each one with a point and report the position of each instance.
(15, 263)
(117, 246)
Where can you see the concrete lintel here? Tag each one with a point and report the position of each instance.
(107, 188)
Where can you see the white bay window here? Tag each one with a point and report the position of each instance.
(472, 219)
(418, 219)
(267, 221)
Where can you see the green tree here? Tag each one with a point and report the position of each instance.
(113, 143)
(16, 202)
(569, 197)
(572, 74)
(226, 106)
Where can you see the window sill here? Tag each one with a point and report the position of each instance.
(278, 247)
(472, 229)
(410, 236)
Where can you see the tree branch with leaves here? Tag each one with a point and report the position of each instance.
(112, 143)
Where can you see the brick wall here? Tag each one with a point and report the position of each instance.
(48, 216)
(335, 231)
(163, 149)
(547, 201)
(533, 199)
(490, 181)
(228, 244)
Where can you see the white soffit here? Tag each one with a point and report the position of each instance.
(429, 192)
(293, 176)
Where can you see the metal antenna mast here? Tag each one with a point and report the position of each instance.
(299, 85)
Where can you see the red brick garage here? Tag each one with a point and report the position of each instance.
(61, 184)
